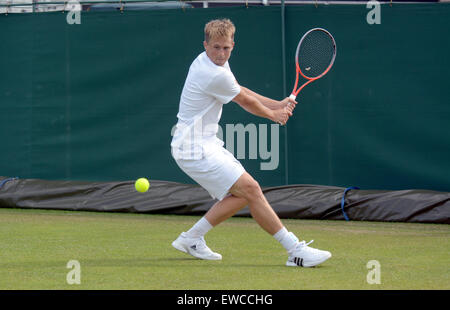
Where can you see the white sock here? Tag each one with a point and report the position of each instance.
(199, 229)
(287, 239)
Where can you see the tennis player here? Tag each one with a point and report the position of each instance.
(200, 154)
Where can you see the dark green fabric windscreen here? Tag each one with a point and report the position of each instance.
(97, 101)
(381, 117)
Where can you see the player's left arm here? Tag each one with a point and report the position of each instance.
(268, 102)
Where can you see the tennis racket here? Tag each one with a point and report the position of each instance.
(314, 57)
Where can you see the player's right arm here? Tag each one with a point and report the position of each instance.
(252, 105)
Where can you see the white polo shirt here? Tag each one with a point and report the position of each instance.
(207, 88)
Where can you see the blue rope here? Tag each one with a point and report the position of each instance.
(7, 180)
(343, 201)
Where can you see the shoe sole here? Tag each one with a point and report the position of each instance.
(292, 264)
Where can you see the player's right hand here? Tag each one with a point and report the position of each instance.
(282, 115)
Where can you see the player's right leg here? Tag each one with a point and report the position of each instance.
(193, 242)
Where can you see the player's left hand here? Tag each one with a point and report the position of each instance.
(289, 104)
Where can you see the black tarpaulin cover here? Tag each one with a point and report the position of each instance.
(291, 201)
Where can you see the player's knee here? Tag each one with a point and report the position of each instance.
(252, 190)
(246, 187)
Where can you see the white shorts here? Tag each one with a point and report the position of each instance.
(216, 172)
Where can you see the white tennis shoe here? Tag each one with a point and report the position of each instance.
(304, 256)
(195, 246)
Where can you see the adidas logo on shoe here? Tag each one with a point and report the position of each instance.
(195, 246)
(304, 256)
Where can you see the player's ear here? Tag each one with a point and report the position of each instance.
(205, 44)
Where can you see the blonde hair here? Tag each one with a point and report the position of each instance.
(219, 28)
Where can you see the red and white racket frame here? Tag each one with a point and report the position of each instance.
(299, 72)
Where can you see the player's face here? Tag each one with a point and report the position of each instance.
(219, 49)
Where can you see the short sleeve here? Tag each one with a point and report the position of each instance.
(223, 87)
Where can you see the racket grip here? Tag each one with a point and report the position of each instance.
(292, 96)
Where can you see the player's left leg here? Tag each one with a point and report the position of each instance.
(300, 254)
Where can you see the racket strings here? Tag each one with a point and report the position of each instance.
(315, 53)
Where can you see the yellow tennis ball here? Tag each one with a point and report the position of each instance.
(142, 185)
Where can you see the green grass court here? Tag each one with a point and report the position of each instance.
(133, 251)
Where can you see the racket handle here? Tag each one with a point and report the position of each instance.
(292, 96)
